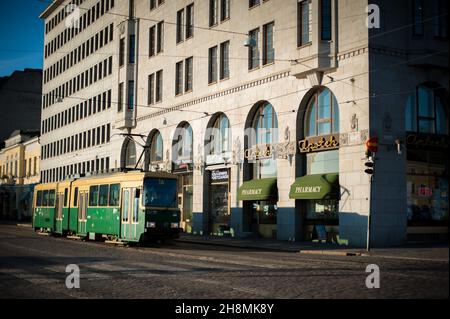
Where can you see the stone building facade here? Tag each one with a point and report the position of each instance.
(19, 172)
(263, 109)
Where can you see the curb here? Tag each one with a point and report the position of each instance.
(331, 253)
(24, 225)
(235, 246)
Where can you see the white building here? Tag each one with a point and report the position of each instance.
(293, 89)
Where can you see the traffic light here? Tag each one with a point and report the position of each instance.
(370, 165)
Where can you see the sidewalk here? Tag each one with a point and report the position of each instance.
(412, 251)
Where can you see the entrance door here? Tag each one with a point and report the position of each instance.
(58, 211)
(130, 213)
(82, 212)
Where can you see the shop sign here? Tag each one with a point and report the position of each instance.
(183, 164)
(282, 150)
(308, 189)
(426, 141)
(321, 143)
(252, 191)
(219, 175)
(425, 191)
(214, 159)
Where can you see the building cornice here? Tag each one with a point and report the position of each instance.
(216, 95)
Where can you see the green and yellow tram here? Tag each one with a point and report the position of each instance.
(124, 207)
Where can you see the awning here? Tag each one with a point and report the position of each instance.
(259, 189)
(321, 186)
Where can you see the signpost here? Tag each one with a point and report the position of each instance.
(371, 150)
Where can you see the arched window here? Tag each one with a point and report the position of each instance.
(265, 128)
(322, 117)
(219, 142)
(156, 148)
(183, 146)
(265, 124)
(129, 153)
(425, 111)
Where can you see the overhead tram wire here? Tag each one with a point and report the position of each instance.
(247, 34)
(291, 93)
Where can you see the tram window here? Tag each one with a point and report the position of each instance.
(136, 206)
(39, 199)
(45, 199)
(126, 203)
(93, 196)
(114, 191)
(66, 195)
(75, 197)
(103, 195)
(51, 198)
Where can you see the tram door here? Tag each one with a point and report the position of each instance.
(82, 212)
(58, 212)
(130, 213)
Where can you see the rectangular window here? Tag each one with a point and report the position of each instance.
(268, 49)
(190, 21)
(224, 60)
(418, 17)
(93, 196)
(253, 3)
(103, 195)
(159, 85)
(188, 74)
(131, 49)
(120, 99)
(303, 22)
(441, 25)
(151, 41)
(180, 25)
(253, 50)
(213, 12)
(114, 195)
(224, 10)
(151, 88)
(325, 20)
(66, 196)
(130, 95)
(122, 52)
(160, 37)
(39, 199)
(212, 65)
(152, 4)
(179, 78)
(51, 198)
(45, 198)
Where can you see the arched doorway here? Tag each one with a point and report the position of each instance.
(217, 175)
(182, 161)
(259, 192)
(426, 126)
(316, 189)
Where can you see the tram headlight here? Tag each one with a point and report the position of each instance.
(151, 225)
(173, 225)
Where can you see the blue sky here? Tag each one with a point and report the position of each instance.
(21, 34)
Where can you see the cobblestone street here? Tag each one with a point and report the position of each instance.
(34, 266)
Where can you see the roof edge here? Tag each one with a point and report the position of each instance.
(50, 9)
